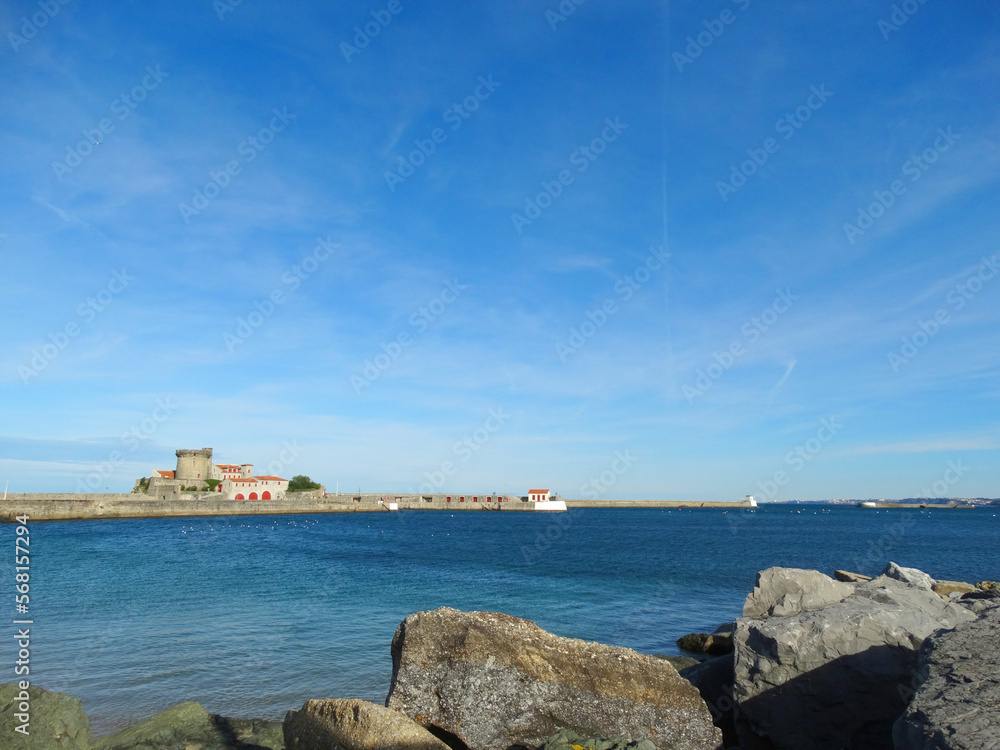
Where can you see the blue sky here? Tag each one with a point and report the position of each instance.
(609, 249)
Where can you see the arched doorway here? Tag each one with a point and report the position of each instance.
(239, 496)
(265, 495)
(253, 495)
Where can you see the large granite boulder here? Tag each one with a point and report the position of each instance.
(57, 721)
(190, 726)
(494, 681)
(833, 677)
(780, 592)
(354, 725)
(957, 701)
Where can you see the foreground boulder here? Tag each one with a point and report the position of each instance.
(189, 725)
(832, 677)
(714, 680)
(57, 720)
(780, 592)
(354, 725)
(957, 701)
(493, 681)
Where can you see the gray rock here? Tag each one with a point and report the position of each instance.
(189, 725)
(909, 575)
(848, 577)
(570, 740)
(493, 681)
(957, 700)
(57, 720)
(780, 592)
(831, 678)
(354, 725)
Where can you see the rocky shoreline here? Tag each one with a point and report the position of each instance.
(898, 662)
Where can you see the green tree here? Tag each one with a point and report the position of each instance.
(302, 483)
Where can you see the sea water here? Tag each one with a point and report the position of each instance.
(250, 616)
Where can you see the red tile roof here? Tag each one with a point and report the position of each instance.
(530, 491)
(165, 473)
(280, 479)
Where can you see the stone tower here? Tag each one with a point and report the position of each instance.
(194, 465)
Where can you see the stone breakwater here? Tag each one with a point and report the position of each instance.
(895, 662)
(80, 506)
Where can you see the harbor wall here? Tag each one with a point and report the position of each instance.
(79, 506)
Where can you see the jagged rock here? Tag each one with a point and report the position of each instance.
(493, 681)
(189, 725)
(908, 575)
(570, 740)
(780, 592)
(848, 577)
(957, 701)
(946, 588)
(988, 586)
(354, 725)
(830, 678)
(714, 680)
(57, 720)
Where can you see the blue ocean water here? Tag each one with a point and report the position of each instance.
(250, 616)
